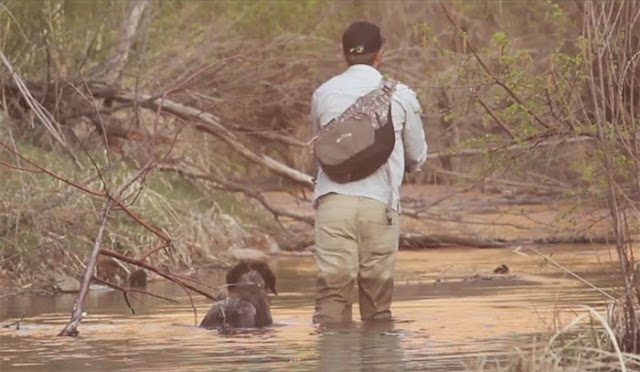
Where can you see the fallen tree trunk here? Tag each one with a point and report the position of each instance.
(424, 241)
(420, 241)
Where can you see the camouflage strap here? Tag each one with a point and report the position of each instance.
(388, 87)
(373, 104)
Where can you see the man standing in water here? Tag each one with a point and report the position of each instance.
(357, 224)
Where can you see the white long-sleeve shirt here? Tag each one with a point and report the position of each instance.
(335, 96)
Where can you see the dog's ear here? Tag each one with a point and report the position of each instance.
(267, 275)
(233, 276)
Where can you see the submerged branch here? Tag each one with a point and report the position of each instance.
(71, 329)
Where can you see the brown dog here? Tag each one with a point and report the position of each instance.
(247, 302)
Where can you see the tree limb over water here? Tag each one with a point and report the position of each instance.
(206, 122)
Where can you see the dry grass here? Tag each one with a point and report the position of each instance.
(587, 343)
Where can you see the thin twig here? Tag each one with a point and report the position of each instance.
(495, 118)
(93, 192)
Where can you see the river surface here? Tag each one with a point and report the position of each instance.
(442, 322)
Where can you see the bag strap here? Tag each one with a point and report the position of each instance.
(388, 87)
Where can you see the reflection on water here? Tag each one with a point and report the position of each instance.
(441, 322)
(371, 347)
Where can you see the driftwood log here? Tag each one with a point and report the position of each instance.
(410, 241)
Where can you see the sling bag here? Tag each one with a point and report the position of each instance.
(360, 140)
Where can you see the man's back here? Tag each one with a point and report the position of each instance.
(335, 96)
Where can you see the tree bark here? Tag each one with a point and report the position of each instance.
(111, 73)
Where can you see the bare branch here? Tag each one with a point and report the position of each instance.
(125, 290)
(49, 122)
(495, 118)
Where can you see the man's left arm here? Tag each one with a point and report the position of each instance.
(413, 134)
(315, 116)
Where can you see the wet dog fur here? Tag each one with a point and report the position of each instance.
(247, 303)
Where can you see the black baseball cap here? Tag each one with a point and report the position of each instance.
(362, 38)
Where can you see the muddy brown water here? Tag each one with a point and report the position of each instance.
(442, 322)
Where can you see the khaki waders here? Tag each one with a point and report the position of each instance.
(355, 242)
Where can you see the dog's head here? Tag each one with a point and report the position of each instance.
(255, 272)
